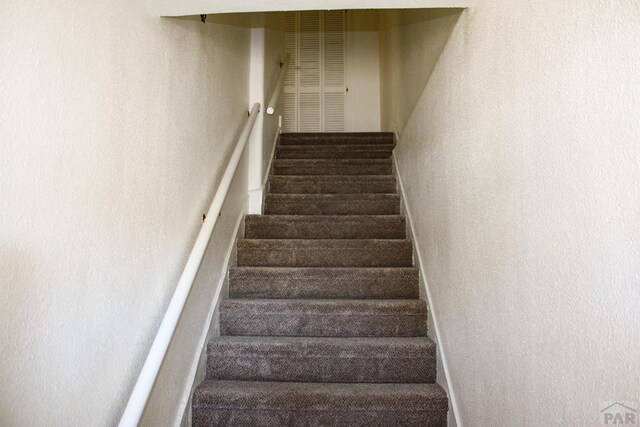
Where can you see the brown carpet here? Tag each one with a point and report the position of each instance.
(323, 325)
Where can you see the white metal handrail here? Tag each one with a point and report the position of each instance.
(142, 390)
(273, 102)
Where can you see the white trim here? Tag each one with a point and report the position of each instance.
(256, 94)
(434, 317)
(147, 378)
(271, 157)
(185, 398)
(256, 196)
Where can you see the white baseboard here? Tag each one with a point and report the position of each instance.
(187, 392)
(253, 204)
(433, 313)
(256, 196)
(272, 155)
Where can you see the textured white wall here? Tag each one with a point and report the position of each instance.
(177, 386)
(114, 129)
(521, 162)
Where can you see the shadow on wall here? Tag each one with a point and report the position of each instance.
(406, 67)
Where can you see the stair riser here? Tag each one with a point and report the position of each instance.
(312, 416)
(313, 152)
(332, 169)
(278, 206)
(322, 369)
(264, 228)
(381, 254)
(318, 325)
(280, 185)
(306, 283)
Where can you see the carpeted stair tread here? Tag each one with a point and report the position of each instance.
(332, 167)
(332, 204)
(332, 184)
(344, 360)
(257, 403)
(323, 318)
(325, 253)
(323, 325)
(323, 282)
(324, 227)
(324, 151)
(356, 138)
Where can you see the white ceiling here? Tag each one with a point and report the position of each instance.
(196, 7)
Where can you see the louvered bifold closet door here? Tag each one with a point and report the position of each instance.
(290, 115)
(314, 93)
(333, 71)
(309, 72)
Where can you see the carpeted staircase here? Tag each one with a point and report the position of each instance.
(323, 325)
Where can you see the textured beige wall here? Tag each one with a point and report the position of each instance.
(410, 45)
(115, 125)
(521, 164)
